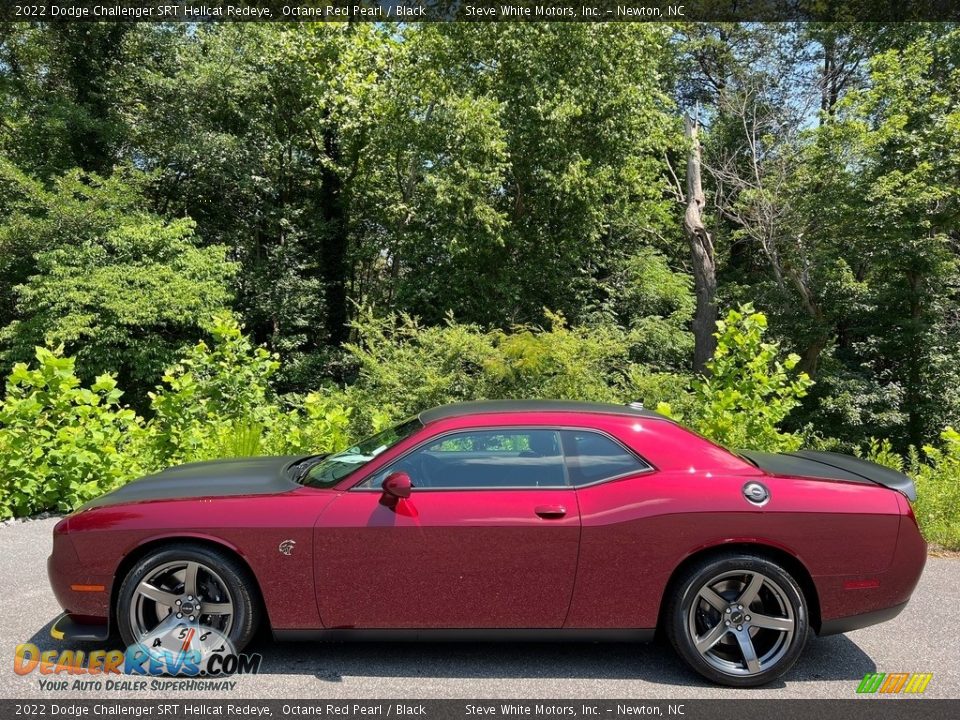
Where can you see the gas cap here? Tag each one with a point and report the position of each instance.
(756, 493)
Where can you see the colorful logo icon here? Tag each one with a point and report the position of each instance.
(891, 683)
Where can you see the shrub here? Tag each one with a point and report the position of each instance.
(217, 399)
(938, 491)
(62, 444)
(666, 391)
(404, 367)
(217, 402)
(95, 269)
(320, 424)
(882, 453)
(748, 391)
(581, 363)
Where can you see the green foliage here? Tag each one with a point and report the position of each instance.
(426, 186)
(152, 175)
(506, 154)
(882, 453)
(61, 95)
(117, 285)
(216, 398)
(322, 423)
(748, 391)
(665, 392)
(217, 401)
(938, 491)
(655, 301)
(405, 366)
(62, 443)
(582, 363)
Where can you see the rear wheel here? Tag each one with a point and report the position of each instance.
(739, 620)
(185, 583)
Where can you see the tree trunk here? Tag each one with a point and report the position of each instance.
(913, 395)
(810, 357)
(701, 254)
(334, 214)
(828, 77)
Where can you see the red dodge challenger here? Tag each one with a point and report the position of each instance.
(504, 520)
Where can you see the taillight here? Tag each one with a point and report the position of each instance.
(62, 526)
(906, 509)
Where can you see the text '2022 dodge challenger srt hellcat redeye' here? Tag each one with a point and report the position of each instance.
(499, 520)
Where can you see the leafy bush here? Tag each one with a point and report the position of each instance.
(882, 453)
(217, 399)
(404, 367)
(91, 267)
(748, 391)
(320, 424)
(938, 491)
(62, 444)
(217, 402)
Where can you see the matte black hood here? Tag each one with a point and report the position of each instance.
(213, 478)
(832, 466)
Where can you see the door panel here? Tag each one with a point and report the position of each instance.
(448, 559)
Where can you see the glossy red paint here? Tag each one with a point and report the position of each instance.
(454, 559)
(595, 557)
(251, 526)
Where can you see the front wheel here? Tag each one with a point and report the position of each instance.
(739, 620)
(185, 584)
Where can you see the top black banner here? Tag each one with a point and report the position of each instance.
(386, 11)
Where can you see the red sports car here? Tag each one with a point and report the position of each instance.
(504, 519)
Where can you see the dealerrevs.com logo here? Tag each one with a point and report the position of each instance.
(183, 650)
(892, 683)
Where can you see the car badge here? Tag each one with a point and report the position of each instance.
(286, 547)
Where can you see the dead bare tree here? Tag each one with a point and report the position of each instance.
(752, 178)
(702, 257)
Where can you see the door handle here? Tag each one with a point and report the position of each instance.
(551, 511)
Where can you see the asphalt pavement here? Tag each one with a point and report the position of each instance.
(923, 638)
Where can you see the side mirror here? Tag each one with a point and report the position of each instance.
(397, 485)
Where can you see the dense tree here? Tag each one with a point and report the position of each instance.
(502, 175)
(561, 140)
(60, 96)
(91, 268)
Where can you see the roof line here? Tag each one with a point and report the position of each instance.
(480, 407)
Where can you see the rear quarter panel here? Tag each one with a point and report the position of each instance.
(638, 530)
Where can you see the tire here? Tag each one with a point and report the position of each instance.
(227, 583)
(706, 619)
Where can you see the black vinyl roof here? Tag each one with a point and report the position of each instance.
(507, 406)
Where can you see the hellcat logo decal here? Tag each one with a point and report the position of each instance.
(286, 547)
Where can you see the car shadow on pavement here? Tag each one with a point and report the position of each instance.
(831, 658)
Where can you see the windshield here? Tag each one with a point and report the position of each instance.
(331, 469)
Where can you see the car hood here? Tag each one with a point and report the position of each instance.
(214, 478)
(832, 466)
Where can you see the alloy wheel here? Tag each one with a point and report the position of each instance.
(177, 592)
(741, 622)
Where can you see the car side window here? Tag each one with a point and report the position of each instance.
(511, 458)
(592, 457)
